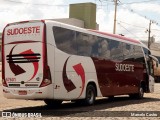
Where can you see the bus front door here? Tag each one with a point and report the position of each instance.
(150, 74)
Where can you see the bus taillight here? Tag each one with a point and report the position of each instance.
(4, 83)
(47, 80)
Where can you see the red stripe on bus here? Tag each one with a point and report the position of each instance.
(3, 61)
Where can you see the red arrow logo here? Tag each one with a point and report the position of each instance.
(35, 64)
(80, 71)
(16, 69)
(29, 56)
(68, 84)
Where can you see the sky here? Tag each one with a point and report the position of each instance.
(133, 16)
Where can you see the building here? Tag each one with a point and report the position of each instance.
(85, 12)
(154, 47)
(81, 15)
(71, 21)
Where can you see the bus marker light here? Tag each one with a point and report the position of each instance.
(5, 91)
(39, 92)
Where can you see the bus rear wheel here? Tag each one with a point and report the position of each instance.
(90, 95)
(111, 98)
(52, 103)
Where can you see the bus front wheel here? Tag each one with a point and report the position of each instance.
(138, 95)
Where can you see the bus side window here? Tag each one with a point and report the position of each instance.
(84, 42)
(116, 51)
(95, 48)
(65, 40)
(128, 52)
(138, 54)
(103, 48)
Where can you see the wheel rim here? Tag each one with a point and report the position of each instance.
(90, 96)
(141, 92)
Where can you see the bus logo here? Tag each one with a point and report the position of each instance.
(27, 56)
(16, 69)
(68, 83)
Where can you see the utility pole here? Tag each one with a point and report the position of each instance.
(149, 34)
(115, 15)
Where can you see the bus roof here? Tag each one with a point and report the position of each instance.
(103, 33)
(26, 21)
(91, 30)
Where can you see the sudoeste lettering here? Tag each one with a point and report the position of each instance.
(25, 30)
(124, 67)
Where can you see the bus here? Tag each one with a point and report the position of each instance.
(55, 62)
(156, 68)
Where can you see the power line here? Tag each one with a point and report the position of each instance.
(131, 10)
(128, 31)
(141, 2)
(132, 25)
(147, 18)
(137, 26)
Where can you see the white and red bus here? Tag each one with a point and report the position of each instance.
(54, 62)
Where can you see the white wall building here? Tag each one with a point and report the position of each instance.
(154, 47)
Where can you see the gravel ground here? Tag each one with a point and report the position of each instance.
(103, 109)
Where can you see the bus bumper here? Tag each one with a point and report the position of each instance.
(29, 93)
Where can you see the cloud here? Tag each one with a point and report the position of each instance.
(20, 10)
(137, 25)
(101, 19)
(147, 7)
(130, 24)
(49, 9)
(106, 22)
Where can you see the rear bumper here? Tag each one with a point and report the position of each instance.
(32, 93)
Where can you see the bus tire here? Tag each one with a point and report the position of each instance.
(78, 102)
(111, 98)
(138, 95)
(90, 95)
(52, 103)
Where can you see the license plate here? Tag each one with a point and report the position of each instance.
(22, 92)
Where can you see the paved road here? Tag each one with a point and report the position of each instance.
(121, 106)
